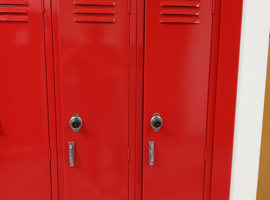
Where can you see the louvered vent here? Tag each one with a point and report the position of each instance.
(95, 11)
(183, 12)
(14, 11)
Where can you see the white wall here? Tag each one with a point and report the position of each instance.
(250, 99)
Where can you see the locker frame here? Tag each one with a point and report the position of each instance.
(228, 46)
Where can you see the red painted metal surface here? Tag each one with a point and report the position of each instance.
(135, 97)
(176, 84)
(92, 79)
(50, 62)
(228, 61)
(14, 2)
(95, 68)
(181, 3)
(24, 135)
(212, 98)
(14, 11)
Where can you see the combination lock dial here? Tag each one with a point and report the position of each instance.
(75, 123)
(156, 122)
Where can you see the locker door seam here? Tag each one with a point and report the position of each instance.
(49, 48)
(47, 92)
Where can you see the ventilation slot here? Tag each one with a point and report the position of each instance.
(94, 11)
(14, 11)
(182, 12)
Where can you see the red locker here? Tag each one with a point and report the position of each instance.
(176, 86)
(24, 136)
(112, 99)
(92, 80)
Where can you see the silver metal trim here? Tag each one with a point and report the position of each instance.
(71, 146)
(151, 153)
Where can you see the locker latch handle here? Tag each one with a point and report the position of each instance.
(71, 153)
(151, 153)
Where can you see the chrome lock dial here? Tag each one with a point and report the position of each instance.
(156, 122)
(75, 123)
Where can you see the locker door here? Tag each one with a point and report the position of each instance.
(177, 60)
(24, 145)
(92, 79)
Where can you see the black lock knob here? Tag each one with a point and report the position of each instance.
(156, 122)
(75, 123)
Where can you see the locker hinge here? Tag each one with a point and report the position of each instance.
(213, 7)
(43, 7)
(49, 154)
(129, 6)
(128, 153)
(205, 153)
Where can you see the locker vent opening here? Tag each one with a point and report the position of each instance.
(14, 11)
(94, 11)
(180, 12)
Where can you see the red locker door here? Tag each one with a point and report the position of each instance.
(177, 60)
(93, 81)
(24, 138)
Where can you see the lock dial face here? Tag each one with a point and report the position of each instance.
(75, 123)
(156, 122)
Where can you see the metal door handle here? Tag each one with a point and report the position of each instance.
(71, 153)
(151, 153)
